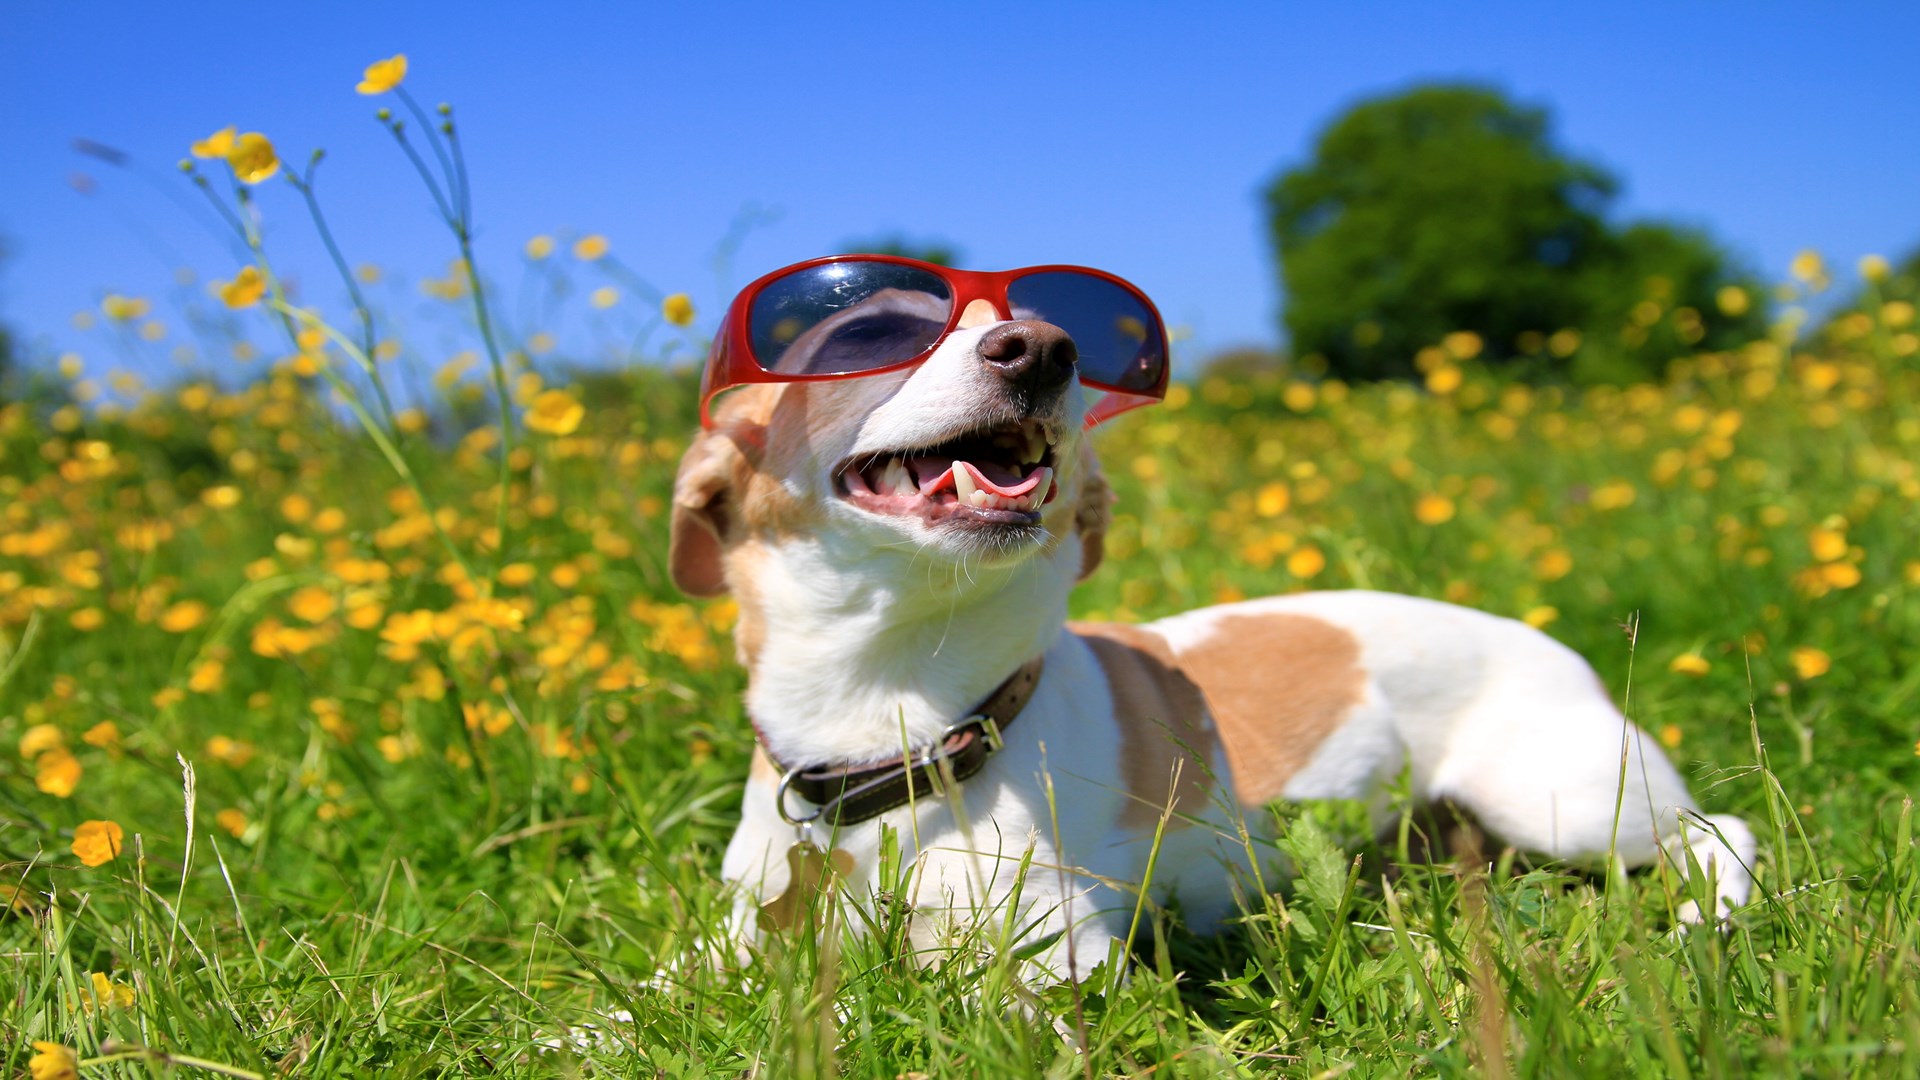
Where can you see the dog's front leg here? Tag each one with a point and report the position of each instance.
(1011, 902)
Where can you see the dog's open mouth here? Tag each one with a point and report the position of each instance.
(1000, 475)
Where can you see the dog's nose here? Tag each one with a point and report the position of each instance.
(1034, 355)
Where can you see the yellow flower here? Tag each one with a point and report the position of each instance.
(539, 247)
(253, 159)
(51, 1061)
(1444, 379)
(516, 575)
(1691, 663)
(217, 145)
(109, 993)
(1306, 562)
(97, 842)
(104, 735)
(245, 290)
(678, 309)
(1840, 575)
(555, 412)
(39, 739)
(364, 609)
(383, 75)
(1272, 500)
(124, 308)
(232, 820)
(1807, 265)
(1732, 300)
(1433, 509)
(408, 627)
(312, 604)
(1553, 565)
(1564, 342)
(207, 677)
(1462, 344)
(1874, 267)
(57, 773)
(486, 716)
(1827, 544)
(183, 616)
(589, 248)
(604, 297)
(1540, 616)
(229, 751)
(1810, 663)
(1670, 735)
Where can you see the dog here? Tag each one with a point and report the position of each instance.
(902, 547)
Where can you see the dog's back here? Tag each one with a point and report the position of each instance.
(1332, 694)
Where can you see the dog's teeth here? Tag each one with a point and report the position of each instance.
(979, 498)
(1039, 493)
(896, 479)
(963, 484)
(1036, 447)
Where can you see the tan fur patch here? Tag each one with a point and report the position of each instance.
(731, 486)
(763, 770)
(1162, 720)
(1092, 512)
(1278, 686)
(977, 313)
(750, 628)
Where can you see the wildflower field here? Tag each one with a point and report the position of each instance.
(352, 727)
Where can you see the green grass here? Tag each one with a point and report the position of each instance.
(403, 893)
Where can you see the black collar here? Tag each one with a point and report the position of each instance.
(850, 794)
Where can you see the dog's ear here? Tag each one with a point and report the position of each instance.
(1090, 517)
(702, 514)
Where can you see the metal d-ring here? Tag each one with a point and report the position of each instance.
(780, 803)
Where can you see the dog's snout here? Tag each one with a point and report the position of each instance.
(1036, 355)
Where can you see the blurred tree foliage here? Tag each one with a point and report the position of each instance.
(1448, 208)
(938, 252)
(7, 346)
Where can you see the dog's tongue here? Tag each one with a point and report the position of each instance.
(933, 473)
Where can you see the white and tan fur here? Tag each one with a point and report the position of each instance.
(864, 634)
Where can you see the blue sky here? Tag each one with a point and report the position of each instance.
(1129, 136)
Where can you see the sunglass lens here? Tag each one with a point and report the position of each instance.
(844, 317)
(1119, 338)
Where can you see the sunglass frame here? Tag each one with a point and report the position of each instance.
(731, 363)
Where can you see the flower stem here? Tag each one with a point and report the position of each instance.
(419, 166)
(455, 182)
(361, 310)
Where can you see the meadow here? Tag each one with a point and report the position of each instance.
(353, 727)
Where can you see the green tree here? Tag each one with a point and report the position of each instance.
(1450, 208)
(7, 359)
(1657, 293)
(938, 252)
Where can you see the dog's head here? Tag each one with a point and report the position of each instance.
(973, 459)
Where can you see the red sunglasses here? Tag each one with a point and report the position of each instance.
(849, 316)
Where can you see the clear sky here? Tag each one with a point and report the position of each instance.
(1130, 136)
